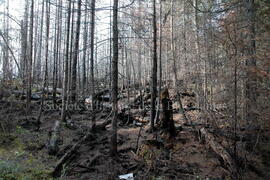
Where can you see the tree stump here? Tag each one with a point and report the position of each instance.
(167, 114)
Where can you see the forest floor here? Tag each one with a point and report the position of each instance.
(23, 152)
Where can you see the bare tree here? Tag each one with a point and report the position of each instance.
(30, 59)
(251, 81)
(154, 68)
(173, 45)
(114, 79)
(85, 39)
(66, 68)
(38, 63)
(46, 61)
(93, 5)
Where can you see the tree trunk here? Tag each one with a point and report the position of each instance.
(154, 68)
(76, 54)
(55, 54)
(66, 68)
(30, 59)
(251, 81)
(85, 38)
(71, 51)
(38, 63)
(114, 79)
(93, 5)
(46, 61)
(173, 46)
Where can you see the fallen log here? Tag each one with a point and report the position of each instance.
(59, 166)
(103, 125)
(219, 150)
(73, 150)
(54, 136)
(139, 119)
(229, 135)
(54, 139)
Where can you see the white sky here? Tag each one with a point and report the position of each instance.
(17, 9)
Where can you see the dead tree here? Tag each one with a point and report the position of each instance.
(54, 136)
(173, 45)
(167, 114)
(65, 82)
(85, 39)
(154, 68)
(217, 148)
(251, 83)
(76, 54)
(24, 42)
(46, 61)
(30, 58)
(38, 63)
(93, 5)
(114, 79)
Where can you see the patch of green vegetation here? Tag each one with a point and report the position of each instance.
(17, 162)
(10, 170)
(19, 130)
(11, 146)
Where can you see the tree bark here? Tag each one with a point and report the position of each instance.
(173, 46)
(251, 81)
(154, 68)
(85, 38)
(66, 68)
(46, 61)
(93, 5)
(30, 59)
(114, 79)
(38, 63)
(76, 54)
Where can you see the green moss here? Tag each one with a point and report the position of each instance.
(10, 170)
(17, 163)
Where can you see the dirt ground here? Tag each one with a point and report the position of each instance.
(23, 151)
